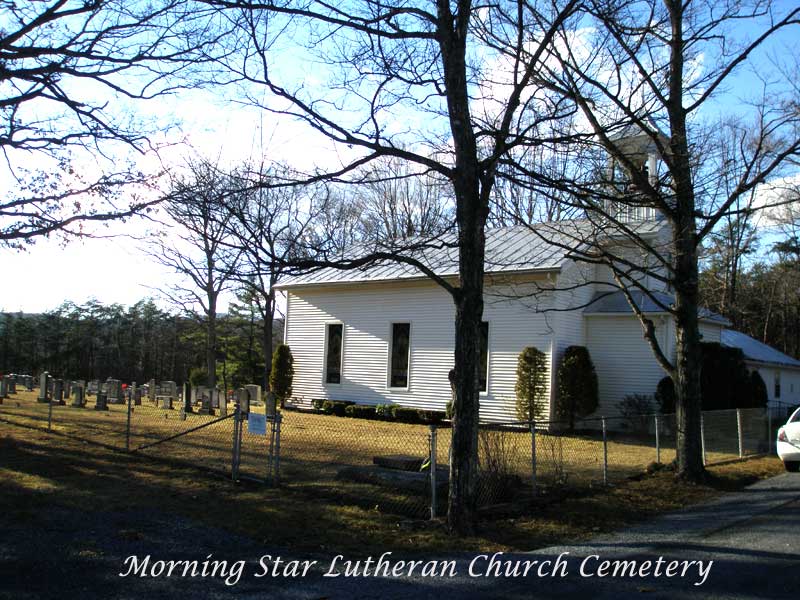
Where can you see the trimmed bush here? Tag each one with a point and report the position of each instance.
(317, 403)
(725, 382)
(448, 411)
(724, 379)
(360, 411)
(665, 395)
(758, 391)
(634, 409)
(406, 415)
(385, 412)
(335, 407)
(531, 384)
(576, 385)
(282, 373)
(432, 417)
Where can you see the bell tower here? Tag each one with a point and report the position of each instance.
(625, 201)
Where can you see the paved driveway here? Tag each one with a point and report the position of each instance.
(744, 545)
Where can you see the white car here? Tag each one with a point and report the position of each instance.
(788, 445)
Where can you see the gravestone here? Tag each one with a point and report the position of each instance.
(151, 390)
(214, 398)
(222, 402)
(243, 399)
(255, 393)
(12, 386)
(170, 388)
(114, 391)
(205, 403)
(137, 394)
(78, 396)
(28, 382)
(101, 400)
(92, 387)
(58, 392)
(3, 389)
(44, 385)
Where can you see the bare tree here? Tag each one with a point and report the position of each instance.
(399, 80)
(196, 247)
(266, 227)
(67, 67)
(642, 90)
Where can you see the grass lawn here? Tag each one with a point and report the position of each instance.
(38, 470)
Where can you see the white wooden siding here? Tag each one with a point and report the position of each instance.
(623, 359)
(710, 332)
(367, 310)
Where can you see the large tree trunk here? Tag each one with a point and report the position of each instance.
(688, 396)
(462, 500)
(471, 194)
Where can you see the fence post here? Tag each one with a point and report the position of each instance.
(658, 442)
(279, 420)
(703, 438)
(605, 453)
(740, 432)
(432, 469)
(128, 425)
(533, 457)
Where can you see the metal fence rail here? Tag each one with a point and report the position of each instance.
(395, 467)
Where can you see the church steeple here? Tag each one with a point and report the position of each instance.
(642, 154)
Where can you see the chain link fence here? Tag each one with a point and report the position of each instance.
(393, 467)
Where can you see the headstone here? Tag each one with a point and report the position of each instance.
(255, 393)
(78, 396)
(93, 387)
(137, 395)
(243, 399)
(222, 402)
(151, 390)
(12, 386)
(101, 401)
(58, 392)
(166, 402)
(205, 404)
(29, 383)
(44, 381)
(214, 398)
(170, 388)
(3, 388)
(114, 391)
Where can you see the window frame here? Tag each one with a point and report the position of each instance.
(325, 354)
(389, 385)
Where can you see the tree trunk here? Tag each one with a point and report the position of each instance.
(688, 395)
(211, 343)
(266, 340)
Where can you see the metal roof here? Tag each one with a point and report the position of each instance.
(520, 248)
(755, 350)
(617, 303)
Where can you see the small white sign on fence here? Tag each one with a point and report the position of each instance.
(257, 424)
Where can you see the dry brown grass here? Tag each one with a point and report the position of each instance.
(37, 469)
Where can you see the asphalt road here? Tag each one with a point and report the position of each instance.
(744, 545)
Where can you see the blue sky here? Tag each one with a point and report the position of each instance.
(115, 270)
